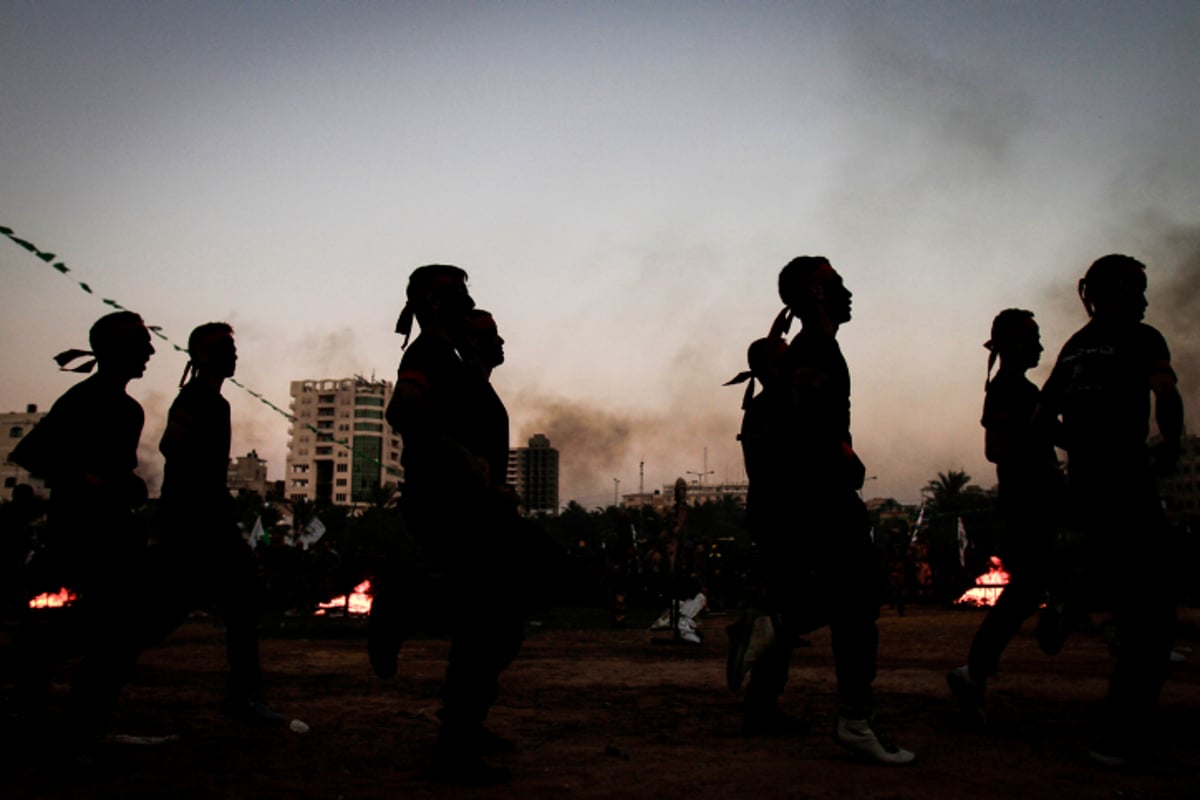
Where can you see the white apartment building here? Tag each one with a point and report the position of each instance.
(14, 425)
(340, 447)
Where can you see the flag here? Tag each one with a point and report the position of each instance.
(917, 526)
(312, 533)
(256, 534)
(962, 543)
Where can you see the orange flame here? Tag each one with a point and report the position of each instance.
(988, 586)
(359, 602)
(63, 597)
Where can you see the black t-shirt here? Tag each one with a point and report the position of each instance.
(433, 445)
(1100, 386)
(196, 446)
(487, 428)
(1008, 410)
(814, 416)
(87, 447)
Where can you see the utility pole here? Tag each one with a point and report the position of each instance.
(641, 477)
(616, 488)
(700, 475)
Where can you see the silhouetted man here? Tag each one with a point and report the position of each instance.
(448, 490)
(1100, 388)
(822, 564)
(86, 448)
(201, 553)
(1030, 488)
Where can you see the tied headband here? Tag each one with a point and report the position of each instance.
(743, 377)
(67, 356)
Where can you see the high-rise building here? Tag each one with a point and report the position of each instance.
(340, 447)
(14, 426)
(533, 472)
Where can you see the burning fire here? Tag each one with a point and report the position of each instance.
(358, 603)
(988, 586)
(63, 597)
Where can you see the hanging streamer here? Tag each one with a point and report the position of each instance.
(156, 330)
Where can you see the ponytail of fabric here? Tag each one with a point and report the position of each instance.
(404, 323)
(782, 324)
(746, 377)
(67, 356)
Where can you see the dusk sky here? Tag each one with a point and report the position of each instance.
(622, 181)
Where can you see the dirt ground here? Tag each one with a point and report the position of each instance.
(606, 713)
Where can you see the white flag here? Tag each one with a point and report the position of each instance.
(962, 543)
(256, 533)
(312, 533)
(917, 527)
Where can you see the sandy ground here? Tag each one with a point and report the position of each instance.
(607, 713)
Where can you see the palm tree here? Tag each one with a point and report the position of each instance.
(945, 492)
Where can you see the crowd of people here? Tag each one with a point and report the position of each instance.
(815, 561)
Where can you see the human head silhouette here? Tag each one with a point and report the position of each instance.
(812, 289)
(436, 297)
(121, 344)
(212, 351)
(482, 341)
(1015, 340)
(1114, 288)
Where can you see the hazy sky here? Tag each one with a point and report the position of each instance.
(622, 181)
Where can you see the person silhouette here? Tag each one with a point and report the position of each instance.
(201, 553)
(1030, 488)
(764, 358)
(1098, 400)
(86, 448)
(448, 495)
(822, 566)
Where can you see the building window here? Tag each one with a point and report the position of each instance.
(325, 412)
(340, 497)
(326, 398)
(324, 451)
(376, 427)
(341, 482)
(368, 401)
(15, 433)
(300, 468)
(10, 482)
(343, 467)
(324, 424)
(368, 413)
(299, 483)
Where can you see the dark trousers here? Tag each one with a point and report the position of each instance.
(1027, 552)
(173, 579)
(821, 569)
(480, 548)
(1131, 573)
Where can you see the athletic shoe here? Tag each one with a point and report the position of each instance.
(457, 760)
(863, 737)
(772, 722)
(1110, 752)
(254, 712)
(969, 693)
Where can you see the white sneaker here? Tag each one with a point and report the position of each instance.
(861, 736)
